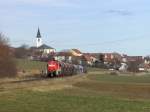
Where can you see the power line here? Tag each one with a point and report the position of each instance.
(68, 43)
(106, 42)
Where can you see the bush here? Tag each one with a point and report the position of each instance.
(7, 65)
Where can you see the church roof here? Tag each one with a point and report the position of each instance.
(44, 46)
(38, 34)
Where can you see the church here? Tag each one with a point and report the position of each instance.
(45, 49)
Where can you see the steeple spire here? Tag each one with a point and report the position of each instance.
(38, 34)
(38, 39)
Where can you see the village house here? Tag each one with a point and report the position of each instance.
(147, 62)
(135, 63)
(112, 57)
(69, 55)
(64, 56)
(139, 59)
(89, 58)
(75, 56)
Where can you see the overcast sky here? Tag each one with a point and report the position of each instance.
(91, 25)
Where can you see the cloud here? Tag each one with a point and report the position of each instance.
(120, 12)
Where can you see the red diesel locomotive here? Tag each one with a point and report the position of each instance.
(56, 69)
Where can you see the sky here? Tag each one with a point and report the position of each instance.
(121, 26)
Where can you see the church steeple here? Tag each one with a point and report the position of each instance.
(38, 39)
(38, 34)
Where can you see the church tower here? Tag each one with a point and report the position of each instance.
(38, 39)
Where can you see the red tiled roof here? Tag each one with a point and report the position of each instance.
(77, 51)
(63, 54)
(88, 56)
(91, 54)
(134, 58)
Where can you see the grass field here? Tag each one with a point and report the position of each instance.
(97, 91)
(60, 101)
(23, 64)
(28, 68)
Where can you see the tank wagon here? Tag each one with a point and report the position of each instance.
(56, 69)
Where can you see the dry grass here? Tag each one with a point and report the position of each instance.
(122, 90)
(76, 93)
(43, 85)
(84, 82)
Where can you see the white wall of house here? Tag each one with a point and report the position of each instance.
(146, 61)
(60, 58)
(70, 58)
(47, 51)
(89, 63)
(124, 60)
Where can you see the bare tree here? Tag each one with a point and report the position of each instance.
(133, 66)
(7, 65)
(101, 58)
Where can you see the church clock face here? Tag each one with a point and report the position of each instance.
(38, 40)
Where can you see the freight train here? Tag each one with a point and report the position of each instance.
(57, 69)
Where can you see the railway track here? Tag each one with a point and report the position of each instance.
(25, 80)
(31, 79)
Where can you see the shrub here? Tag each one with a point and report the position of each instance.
(7, 65)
